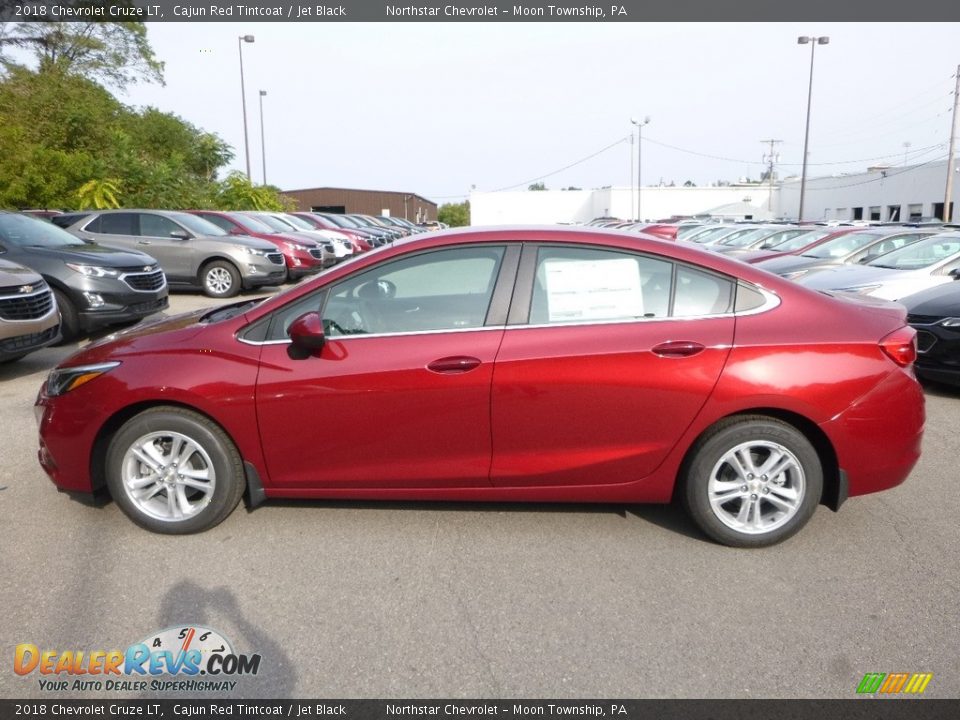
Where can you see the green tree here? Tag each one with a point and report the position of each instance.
(455, 214)
(117, 53)
(537, 186)
(236, 192)
(99, 194)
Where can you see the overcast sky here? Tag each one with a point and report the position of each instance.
(436, 108)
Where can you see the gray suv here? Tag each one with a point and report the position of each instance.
(193, 252)
(28, 314)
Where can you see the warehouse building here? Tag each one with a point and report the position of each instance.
(409, 206)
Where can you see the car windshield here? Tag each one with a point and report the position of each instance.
(24, 231)
(711, 234)
(298, 222)
(843, 245)
(747, 238)
(341, 221)
(197, 224)
(275, 224)
(920, 254)
(250, 223)
(800, 241)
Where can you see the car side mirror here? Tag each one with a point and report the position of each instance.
(180, 235)
(306, 335)
(955, 273)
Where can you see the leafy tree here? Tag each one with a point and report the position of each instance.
(116, 53)
(689, 183)
(455, 214)
(238, 193)
(99, 194)
(537, 186)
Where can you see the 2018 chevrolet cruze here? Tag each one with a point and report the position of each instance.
(502, 365)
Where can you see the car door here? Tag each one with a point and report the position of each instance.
(173, 253)
(399, 396)
(607, 358)
(113, 229)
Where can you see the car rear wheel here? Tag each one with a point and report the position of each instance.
(174, 471)
(69, 321)
(220, 279)
(752, 481)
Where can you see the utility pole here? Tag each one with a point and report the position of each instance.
(770, 158)
(948, 194)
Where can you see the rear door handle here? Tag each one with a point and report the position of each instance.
(143, 242)
(454, 364)
(677, 349)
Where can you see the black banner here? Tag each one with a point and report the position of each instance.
(476, 10)
(861, 709)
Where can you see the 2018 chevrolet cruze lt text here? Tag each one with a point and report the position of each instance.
(503, 364)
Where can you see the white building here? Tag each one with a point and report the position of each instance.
(894, 193)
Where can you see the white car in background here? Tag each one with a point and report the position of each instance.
(908, 270)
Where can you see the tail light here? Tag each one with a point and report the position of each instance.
(901, 346)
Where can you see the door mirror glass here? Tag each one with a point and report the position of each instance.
(180, 235)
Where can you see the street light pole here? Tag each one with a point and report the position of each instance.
(263, 142)
(813, 42)
(243, 97)
(632, 215)
(639, 125)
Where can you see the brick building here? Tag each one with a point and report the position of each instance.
(411, 206)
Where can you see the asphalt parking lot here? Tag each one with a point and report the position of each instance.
(402, 600)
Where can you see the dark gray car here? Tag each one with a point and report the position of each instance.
(193, 252)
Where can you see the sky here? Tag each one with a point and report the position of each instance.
(438, 109)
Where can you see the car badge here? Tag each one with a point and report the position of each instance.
(26, 288)
(147, 268)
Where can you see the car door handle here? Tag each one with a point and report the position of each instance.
(677, 348)
(454, 364)
(143, 242)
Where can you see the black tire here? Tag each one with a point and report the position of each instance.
(69, 319)
(783, 501)
(207, 509)
(220, 279)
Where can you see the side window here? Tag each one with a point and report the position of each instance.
(701, 293)
(117, 224)
(441, 290)
(581, 284)
(93, 226)
(157, 226)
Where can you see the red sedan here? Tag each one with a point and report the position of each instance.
(502, 365)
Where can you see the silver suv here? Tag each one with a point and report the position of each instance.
(28, 314)
(193, 252)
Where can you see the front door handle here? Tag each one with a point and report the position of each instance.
(454, 364)
(677, 349)
(143, 242)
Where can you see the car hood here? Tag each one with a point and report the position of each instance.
(13, 274)
(92, 254)
(244, 240)
(850, 276)
(942, 301)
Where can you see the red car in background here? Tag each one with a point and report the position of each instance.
(508, 364)
(360, 243)
(302, 256)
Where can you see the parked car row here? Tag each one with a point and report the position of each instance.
(100, 268)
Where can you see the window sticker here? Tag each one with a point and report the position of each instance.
(593, 289)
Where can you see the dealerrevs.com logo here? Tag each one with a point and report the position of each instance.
(894, 683)
(183, 653)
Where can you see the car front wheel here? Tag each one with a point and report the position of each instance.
(220, 279)
(752, 482)
(174, 471)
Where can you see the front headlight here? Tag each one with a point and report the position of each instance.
(254, 251)
(63, 380)
(950, 322)
(94, 270)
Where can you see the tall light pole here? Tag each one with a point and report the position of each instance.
(632, 214)
(639, 125)
(243, 97)
(813, 42)
(263, 142)
(948, 191)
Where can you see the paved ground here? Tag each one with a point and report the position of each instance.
(417, 600)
